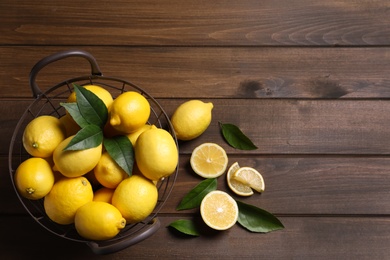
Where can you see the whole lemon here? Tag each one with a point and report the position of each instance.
(99, 91)
(136, 198)
(103, 194)
(34, 178)
(98, 220)
(42, 135)
(66, 197)
(129, 111)
(74, 163)
(71, 127)
(156, 154)
(108, 173)
(134, 136)
(191, 119)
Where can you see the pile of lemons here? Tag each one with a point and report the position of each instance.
(87, 187)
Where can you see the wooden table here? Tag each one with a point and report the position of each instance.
(308, 81)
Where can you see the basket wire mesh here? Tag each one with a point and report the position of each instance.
(48, 103)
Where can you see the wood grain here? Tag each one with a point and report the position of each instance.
(276, 126)
(294, 185)
(307, 81)
(303, 238)
(245, 23)
(193, 72)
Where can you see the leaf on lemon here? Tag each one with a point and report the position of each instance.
(88, 137)
(195, 196)
(121, 151)
(236, 138)
(74, 112)
(257, 220)
(91, 107)
(185, 226)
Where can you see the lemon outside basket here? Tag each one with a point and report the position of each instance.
(48, 103)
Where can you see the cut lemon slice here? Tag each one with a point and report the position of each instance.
(250, 177)
(237, 187)
(219, 210)
(209, 160)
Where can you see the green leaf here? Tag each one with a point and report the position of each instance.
(257, 220)
(91, 107)
(74, 111)
(185, 226)
(121, 150)
(236, 138)
(88, 137)
(194, 197)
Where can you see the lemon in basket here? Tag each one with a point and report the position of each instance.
(98, 220)
(129, 111)
(156, 154)
(71, 127)
(134, 136)
(108, 173)
(135, 197)
(100, 92)
(42, 135)
(191, 119)
(103, 194)
(66, 197)
(74, 163)
(34, 178)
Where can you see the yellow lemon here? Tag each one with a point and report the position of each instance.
(136, 198)
(129, 111)
(134, 136)
(100, 92)
(250, 177)
(103, 194)
(98, 220)
(66, 197)
(156, 154)
(108, 173)
(34, 178)
(42, 135)
(75, 163)
(237, 187)
(191, 119)
(71, 127)
(219, 210)
(209, 160)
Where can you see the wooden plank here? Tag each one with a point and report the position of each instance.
(249, 22)
(276, 126)
(192, 72)
(294, 185)
(303, 238)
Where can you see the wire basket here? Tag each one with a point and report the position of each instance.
(48, 103)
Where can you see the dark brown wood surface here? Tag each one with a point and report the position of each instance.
(308, 81)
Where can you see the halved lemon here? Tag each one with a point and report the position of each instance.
(237, 187)
(250, 177)
(219, 210)
(209, 160)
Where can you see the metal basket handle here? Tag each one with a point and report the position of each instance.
(126, 242)
(95, 70)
